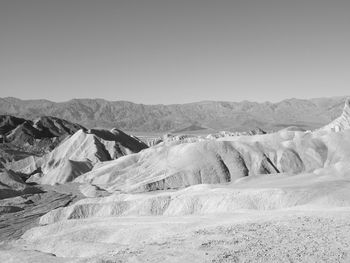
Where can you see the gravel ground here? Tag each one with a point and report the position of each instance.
(275, 236)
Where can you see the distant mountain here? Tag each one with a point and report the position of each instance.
(192, 127)
(211, 115)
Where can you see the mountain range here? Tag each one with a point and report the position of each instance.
(198, 116)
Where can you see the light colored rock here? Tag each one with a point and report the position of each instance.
(259, 193)
(342, 122)
(166, 167)
(172, 166)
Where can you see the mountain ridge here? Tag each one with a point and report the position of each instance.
(214, 115)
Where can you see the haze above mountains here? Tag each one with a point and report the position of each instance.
(201, 117)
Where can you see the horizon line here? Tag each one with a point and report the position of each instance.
(169, 104)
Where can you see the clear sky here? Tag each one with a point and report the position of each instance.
(174, 51)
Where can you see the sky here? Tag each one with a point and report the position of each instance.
(174, 51)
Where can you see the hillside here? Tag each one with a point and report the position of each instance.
(20, 138)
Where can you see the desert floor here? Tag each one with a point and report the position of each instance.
(302, 235)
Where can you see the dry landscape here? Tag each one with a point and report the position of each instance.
(73, 194)
(180, 131)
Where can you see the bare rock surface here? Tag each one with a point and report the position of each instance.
(36, 137)
(342, 122)
(30, 209)
(261, 193)
(11, 184)
(173, 166)
(118, 143)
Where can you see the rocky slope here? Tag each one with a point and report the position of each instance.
(342, 122)
(21, 138)
(11, 184)
(76, 155)
(23, 132)
(20, 213)
(210, 115)
(175, 166)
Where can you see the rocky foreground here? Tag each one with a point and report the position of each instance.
(254, 236)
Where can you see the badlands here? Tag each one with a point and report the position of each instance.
(105, 196)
